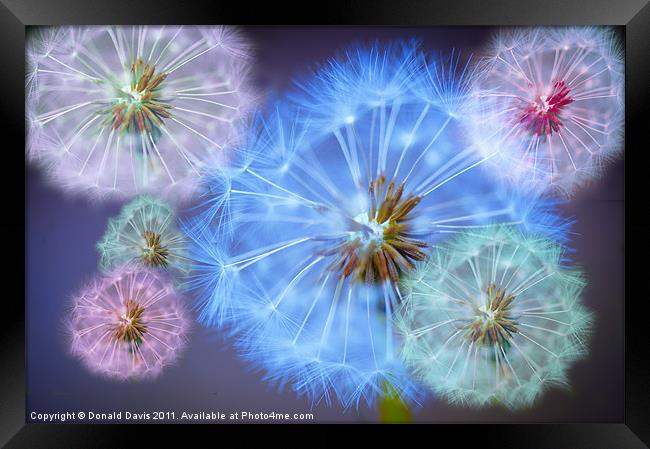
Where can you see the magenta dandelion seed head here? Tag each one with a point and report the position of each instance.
(120, 111)
(129, 324)
(548, 106)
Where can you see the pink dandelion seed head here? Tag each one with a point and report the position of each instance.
(548, 107)
(129, 324)
(121, 111)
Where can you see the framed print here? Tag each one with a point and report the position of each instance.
(375, 214)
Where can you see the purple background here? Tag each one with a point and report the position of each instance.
(61, 256)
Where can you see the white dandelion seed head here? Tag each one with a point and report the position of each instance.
(549, 103)
(493, 318)
(119, 111)
(145, 233)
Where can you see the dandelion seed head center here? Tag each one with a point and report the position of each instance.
(378, 246)
(487, 313)
(492, 323)
(140, 106)
(154, 253)
(130, 326)
(543, 115)
(130, 95)
(374, 231)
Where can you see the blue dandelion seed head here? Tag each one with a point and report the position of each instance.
(347, 186)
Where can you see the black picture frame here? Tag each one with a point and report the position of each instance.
(634, 15)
